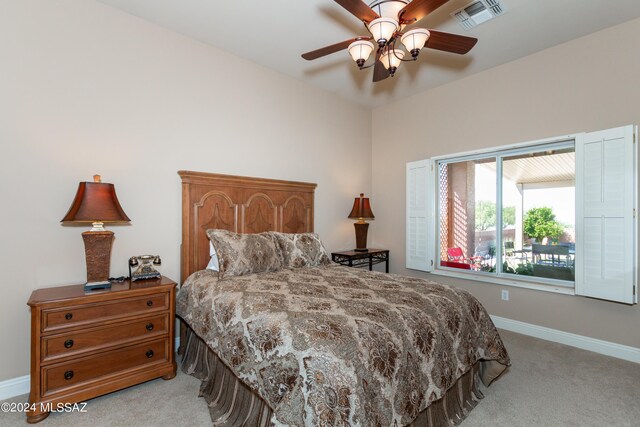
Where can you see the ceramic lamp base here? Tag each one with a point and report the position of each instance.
(97, 248)
(361, 236)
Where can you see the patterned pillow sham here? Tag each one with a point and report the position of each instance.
(301, 250)
(240, 254)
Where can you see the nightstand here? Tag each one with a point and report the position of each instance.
(86, 344)
(362, 259)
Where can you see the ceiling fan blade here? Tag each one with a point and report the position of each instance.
(418, 9)
(327, 50)
(379, 71)
(359, 9)
(448, 42)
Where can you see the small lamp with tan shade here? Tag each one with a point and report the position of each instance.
(361, 211)
(96, 202)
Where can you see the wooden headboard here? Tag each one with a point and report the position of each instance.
(240, 204)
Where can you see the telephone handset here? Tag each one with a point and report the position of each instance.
(143, 267)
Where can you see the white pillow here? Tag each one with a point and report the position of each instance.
(213, 262)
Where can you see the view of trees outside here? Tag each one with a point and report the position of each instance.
(486, 215)
(540, 223)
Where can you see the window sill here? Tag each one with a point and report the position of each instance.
(505, 281)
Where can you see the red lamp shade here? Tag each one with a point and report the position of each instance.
(95, 202)
(361, 208)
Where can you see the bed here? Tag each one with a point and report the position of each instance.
(319, 344)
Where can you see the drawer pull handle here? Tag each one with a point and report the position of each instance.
(149, 303)
(149, 327)
(150, 354)
(68, 343)
(68, 316)
(68, 375)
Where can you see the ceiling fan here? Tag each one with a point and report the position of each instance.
(386, 20)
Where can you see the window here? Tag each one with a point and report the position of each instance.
(532, 234)
(558, 213)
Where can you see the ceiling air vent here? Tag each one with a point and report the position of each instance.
(478, 12)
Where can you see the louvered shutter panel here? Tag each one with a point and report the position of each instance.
(419, 204)
(605, 208)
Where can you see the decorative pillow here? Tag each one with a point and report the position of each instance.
(213, 261)
(240, 254)
(301, 250)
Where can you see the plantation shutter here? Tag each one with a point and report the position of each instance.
(606, 231)
(419, 239)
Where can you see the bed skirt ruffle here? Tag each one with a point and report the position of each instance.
(233, 404)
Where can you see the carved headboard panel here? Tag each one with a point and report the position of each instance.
(240, 204)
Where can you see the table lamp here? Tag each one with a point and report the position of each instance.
(361, 210)
(96, 202)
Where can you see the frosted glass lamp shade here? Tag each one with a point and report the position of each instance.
(415, 39)
(382, 29)
(391, 59)
(389, 8)
(360, 51)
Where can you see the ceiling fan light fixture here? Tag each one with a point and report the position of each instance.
(391, 59)
(360, 50)
(414, 40)
(386, 21)
(382, 29)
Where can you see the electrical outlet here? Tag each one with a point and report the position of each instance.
(505, 295)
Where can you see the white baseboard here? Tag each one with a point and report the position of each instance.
(14, 387)
(632, 354)
(17, 386)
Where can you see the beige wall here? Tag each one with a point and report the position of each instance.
(584, 85)
(87, 89)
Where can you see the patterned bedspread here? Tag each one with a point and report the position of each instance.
(340, 346)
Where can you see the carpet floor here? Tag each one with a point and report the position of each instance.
(548, 385)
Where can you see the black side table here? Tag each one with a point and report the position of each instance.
(362, 259)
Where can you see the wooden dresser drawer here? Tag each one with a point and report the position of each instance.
(75, 315)
(76, 342)
(87, 344)
(81, 371)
